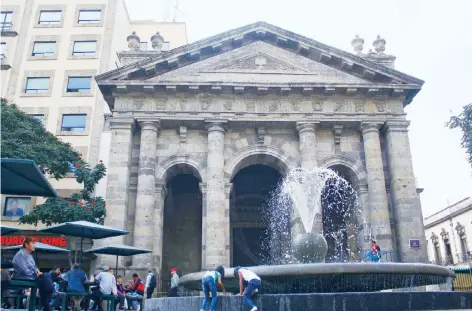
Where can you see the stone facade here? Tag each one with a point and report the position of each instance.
(256, 95)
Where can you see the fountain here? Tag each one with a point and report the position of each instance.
(302, 278)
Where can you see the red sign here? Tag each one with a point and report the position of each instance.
(49, 240)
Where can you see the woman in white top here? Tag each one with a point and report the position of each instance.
(209, 281)
(253, 284)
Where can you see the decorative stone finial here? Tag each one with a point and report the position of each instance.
(133, 41)
(157, 40)
(358, 44)
(379, 44)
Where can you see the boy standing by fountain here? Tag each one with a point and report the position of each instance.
(253, 285)
(209, 282)
(375, 254)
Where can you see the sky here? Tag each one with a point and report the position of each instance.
(431, 39)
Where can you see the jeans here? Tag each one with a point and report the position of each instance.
(251, 287)
(372, 257)
(149, 292)
(208, 285)
(174, 292)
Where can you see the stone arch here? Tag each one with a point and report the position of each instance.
(355, 168)
(266, 155)
(174, 165)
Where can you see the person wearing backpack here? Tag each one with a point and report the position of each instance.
(209, 281)
(151, 283)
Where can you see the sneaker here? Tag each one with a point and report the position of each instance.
(254, 309)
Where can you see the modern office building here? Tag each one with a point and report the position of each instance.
(50, 53)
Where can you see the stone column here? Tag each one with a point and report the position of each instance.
(145, 199)
(405, 199)
(118, 176)
(379, 214)
(158, 225)
(363, 198)
(217, 222)
(203, 189)
(308, 161)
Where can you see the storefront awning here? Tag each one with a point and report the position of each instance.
(23, 177)
(39, 248)
(5, 230)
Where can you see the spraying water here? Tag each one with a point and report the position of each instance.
(326, 203)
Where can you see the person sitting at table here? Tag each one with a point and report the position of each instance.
(107, 283)
(121, 292)
(135, 293)
(75, 283)
(57, 295)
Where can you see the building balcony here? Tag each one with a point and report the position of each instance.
(4, 63)
(7, 30)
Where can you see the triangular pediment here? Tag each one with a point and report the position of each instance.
(257, 63)
(294, 61)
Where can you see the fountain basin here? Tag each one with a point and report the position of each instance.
(336, 302)
(333, 277)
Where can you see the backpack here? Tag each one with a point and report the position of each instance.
(153, 282)
(140, 289)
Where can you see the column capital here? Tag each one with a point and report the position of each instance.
(368, 127)
(216, 125)
(363, 188)
(228, 188)
(203, 188)
(122, 123)
(161, 188)
(396, 126)
(306, 126)
(149, 124)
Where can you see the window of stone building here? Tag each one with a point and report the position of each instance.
(437, 250)
(79, 84)
(89, 16)
(50, 17)
(37, 85)
(5, 20)
(39, 117)
(464, 249)
(44, 48)
(73, 122)
(84, 48)
(16, 206)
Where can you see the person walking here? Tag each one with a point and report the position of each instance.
(174, 283)
(209, 281)
(253, 284)
(151, 283)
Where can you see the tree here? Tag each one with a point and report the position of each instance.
(23, 136)
(464, 122)
(79, 206)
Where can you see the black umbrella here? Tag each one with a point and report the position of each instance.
(23, 177)
(84, 229)
(118, 250)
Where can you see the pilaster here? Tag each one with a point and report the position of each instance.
(405, 200)
(217, 224)
(118, 173)
(158, 224)
(379, 214)
(145, 199)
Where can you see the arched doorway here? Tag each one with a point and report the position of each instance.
(249, 215)
(341, 214)
(182, 232)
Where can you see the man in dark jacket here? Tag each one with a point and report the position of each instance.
(56, 279)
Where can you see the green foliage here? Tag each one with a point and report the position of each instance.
(25, 137)
(79, 206)
(464, 122)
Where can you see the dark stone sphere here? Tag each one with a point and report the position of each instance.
(310, 247)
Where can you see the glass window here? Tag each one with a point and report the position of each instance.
(50, 17)
(79, 84)
(15, 206)
(84, 48)
(37, 85)
(89, 16)
(143, 46)
(44, 48)
(5, 20)
(73, 122)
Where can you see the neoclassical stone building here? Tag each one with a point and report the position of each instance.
(201, 134)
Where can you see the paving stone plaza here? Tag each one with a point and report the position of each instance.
(198, 131)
